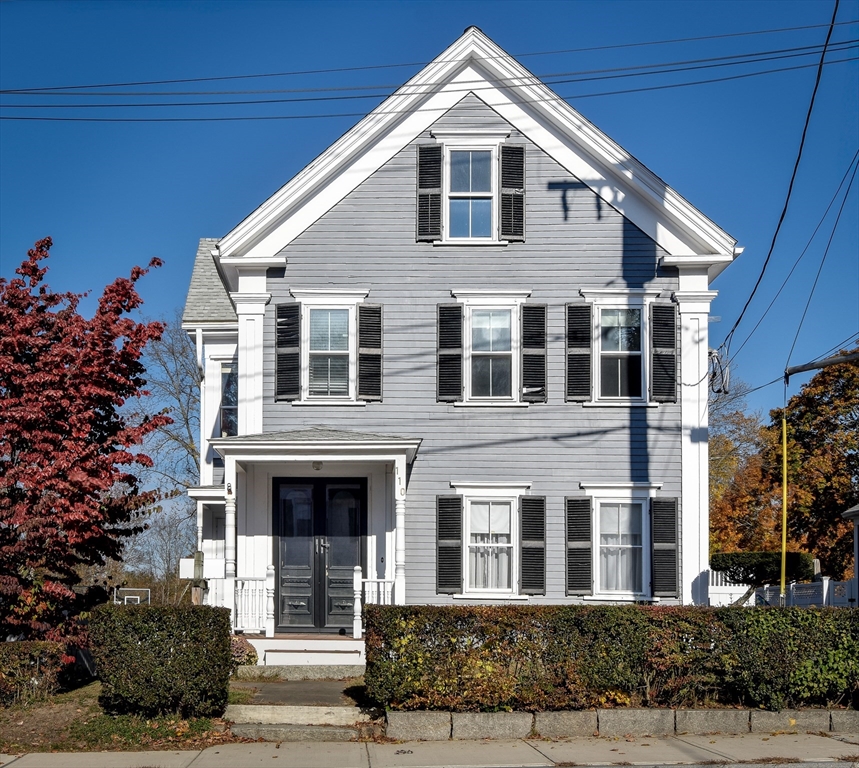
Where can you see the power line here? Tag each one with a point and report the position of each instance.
(801, 255)
(727, 342)
(548, 78)
(820, 268)
(399, 112)
(424, 63)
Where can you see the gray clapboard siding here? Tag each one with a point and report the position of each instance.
(368, 241)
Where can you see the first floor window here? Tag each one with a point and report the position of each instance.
(329, 353)
(620, 547)
(229, 412)
(490, 545)
(491, 353)
(620, 353)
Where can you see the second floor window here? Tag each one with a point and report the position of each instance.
(470, 195)
(329, 353)
(620, 353)
(229, 415)
(491, 353)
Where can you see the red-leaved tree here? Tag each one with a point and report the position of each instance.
(68, 489)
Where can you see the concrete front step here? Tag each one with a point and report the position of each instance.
(281, 732)
(288, 715)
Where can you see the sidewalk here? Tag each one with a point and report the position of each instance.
(800, 750)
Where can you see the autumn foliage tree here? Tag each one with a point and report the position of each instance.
(69, 485)
(823, 476)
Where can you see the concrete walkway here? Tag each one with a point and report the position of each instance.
(801, 750)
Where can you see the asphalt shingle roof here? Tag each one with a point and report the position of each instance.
(208, 300)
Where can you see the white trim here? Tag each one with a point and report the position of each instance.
(484, 488)
(471, 135)
(611, 295)
(471, 296)
(489, 404)
(322, 296)
(616, 488)
(531, 107)
(321, 401)
(466, 143)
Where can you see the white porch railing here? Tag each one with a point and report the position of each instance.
(816, 593)
(368, 592)
(251, 598)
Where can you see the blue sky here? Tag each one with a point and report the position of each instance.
(114, 194)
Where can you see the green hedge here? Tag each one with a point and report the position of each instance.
(487, 658)
(29, 670)
(157, 660)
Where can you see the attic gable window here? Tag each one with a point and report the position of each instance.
(471, 189)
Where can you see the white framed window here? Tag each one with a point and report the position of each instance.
(471, 185)
(621, 536)
(228, 414)
(492, 541)
(328, 345)
(621, 363)
(492, 345)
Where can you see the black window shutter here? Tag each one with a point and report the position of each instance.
(429, 192)
(664, 553)
(448, 544)
(663, 347)
(369, 352)
(579, 338)
(534, 353)
(287, 340)
(579, 542)
(512, 192)
(449, 352)
(532, 527)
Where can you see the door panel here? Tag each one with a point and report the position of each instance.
(320, 530)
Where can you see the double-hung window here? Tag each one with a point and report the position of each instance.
(491, 349)
(620, 548)
(329, 348)
(471, 188)
(228, 416)
(491, 541)
(621, 348)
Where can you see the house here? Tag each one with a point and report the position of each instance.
(464, 351)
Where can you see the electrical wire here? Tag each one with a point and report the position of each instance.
(424, 63)
(409, 111)
(820, 268)
(801, 255)
(727, 342)
(546, 78)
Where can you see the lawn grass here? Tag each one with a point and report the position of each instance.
(73, 721)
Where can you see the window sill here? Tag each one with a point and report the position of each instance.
(489, 404)
(620, 597)
(492, 596)
(353, 403)
(619, 404)
(468, 243)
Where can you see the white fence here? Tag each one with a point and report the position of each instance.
(816, 593)
(724, 592)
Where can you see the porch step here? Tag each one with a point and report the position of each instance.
(288, 715)
(277, 732)
(304, 651)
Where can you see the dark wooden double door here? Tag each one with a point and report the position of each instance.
(320, 528)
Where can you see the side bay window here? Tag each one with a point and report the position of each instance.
(329, 348)
(491, 349)
(622, 543)
(228, 416)
(621, 349)
(491, 542)
(471, 189)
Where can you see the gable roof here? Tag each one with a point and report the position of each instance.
(207, 301)
(476, 64)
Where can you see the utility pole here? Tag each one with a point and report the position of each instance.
(788, 372)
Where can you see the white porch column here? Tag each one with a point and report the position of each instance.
(400, 532)
(269, 601)
(199, 526)
(230, 538)
(694, 304)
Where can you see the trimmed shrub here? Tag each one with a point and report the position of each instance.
(759, 568)
(160, 660)
(241, 653)
(487, 658)
(30, 670)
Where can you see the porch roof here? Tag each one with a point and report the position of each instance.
(852, 513)
(321, 438)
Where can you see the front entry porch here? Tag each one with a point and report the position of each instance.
(313, 526)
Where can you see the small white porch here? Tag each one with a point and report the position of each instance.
(246, 563)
